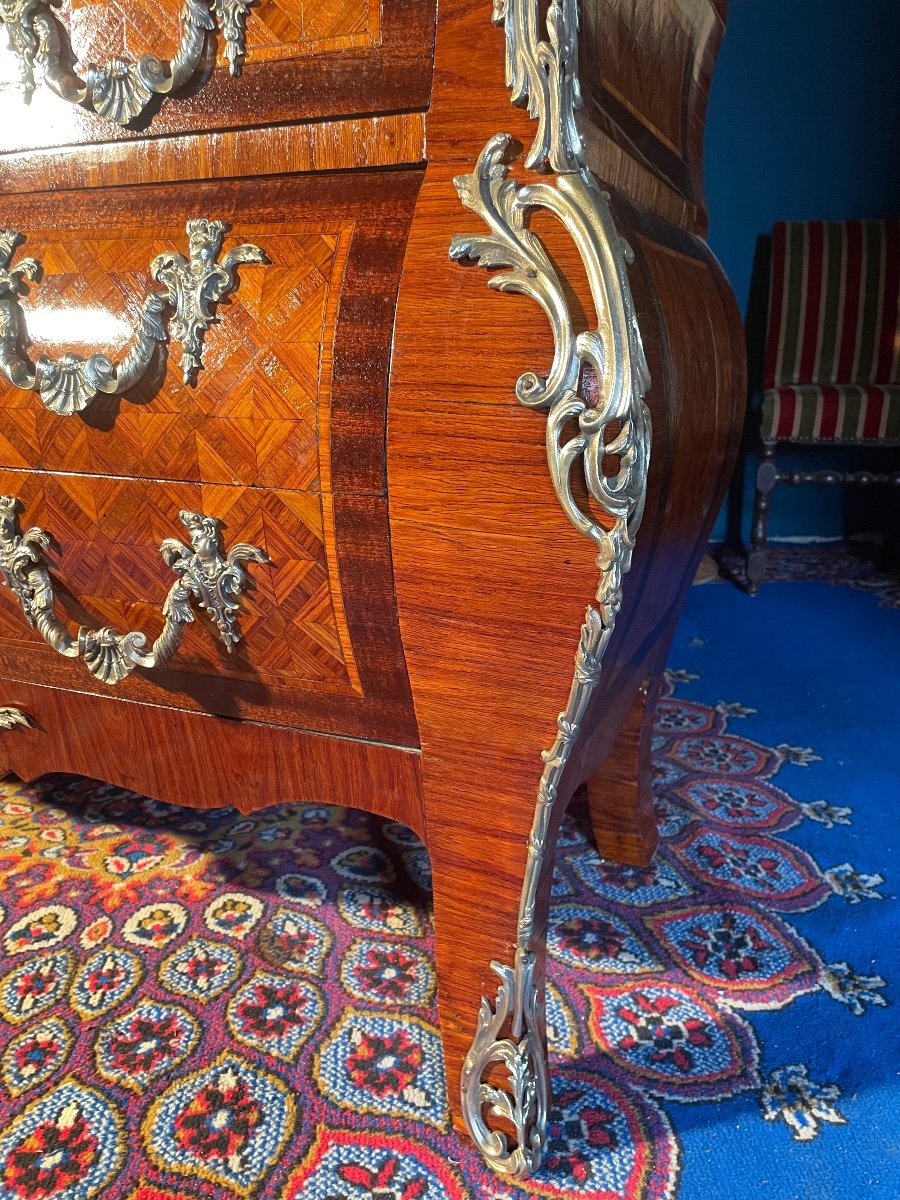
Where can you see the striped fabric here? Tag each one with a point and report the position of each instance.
(848, 412)
(833, 309)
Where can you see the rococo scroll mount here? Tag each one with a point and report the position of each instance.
(14, 718)
(613, 424)
(192, 285)
(120, 90)
(202, 572)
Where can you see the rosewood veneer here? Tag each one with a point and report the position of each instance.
(414, 486)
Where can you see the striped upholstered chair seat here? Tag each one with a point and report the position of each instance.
(832, 412)
(832, 368)
(832, 361)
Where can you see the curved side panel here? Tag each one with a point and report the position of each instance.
(492, 577)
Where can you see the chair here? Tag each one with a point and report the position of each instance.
(832, 356)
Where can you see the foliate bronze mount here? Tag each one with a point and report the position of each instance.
(613, 425)
(203, 572)
(120, 90)
(14, 718)
(191, 287)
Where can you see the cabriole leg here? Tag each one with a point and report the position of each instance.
(620, 792)
(491, 996)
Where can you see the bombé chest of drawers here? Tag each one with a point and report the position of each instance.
(292, 505)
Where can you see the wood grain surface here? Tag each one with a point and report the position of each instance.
(352, 57)
(645, 83)
(456, 584)
(205, 761)
(396, 139)
(620, 792)
(492, 580)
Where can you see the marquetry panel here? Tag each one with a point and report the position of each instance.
(108, 533)
(275, 29)
(319, 646)
(302, 335)
(251, 418)
(306, 60)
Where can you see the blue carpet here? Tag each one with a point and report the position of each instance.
(820, 664)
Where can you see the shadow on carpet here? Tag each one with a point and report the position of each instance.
(214, 1006)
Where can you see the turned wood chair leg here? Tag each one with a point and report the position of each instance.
(620, 792)
(766, 479)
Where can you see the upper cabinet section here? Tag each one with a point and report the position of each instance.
(106, 70)
(645, 75)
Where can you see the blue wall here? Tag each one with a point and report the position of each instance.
(803, 123)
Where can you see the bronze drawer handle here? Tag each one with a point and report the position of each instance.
(67, 385)
(202, 571)
(120, 90)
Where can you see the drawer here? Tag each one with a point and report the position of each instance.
(318, 647)
(291, 392)
(304, 59)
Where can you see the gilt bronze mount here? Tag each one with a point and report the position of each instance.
(191, 285)
(543, 74)
(203, 573)
(119, 90)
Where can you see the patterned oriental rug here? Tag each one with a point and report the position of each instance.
(214, 1006)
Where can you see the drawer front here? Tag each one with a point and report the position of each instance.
(318, 644)
(275, 30)
(281, 441)
(302, 59)
(294, 365)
